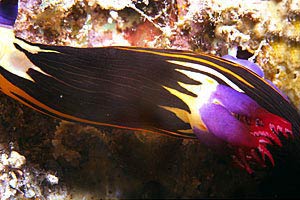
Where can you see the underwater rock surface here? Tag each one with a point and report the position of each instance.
(71, 161)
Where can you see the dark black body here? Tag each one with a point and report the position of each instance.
(123, 86)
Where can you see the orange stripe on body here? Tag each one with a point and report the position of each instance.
(9, 89)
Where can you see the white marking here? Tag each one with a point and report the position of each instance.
(32, 49)
(15, 61)
(207, 70)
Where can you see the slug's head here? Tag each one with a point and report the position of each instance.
(237, 121)
(234, 106)
(8, 12)
(237, 108)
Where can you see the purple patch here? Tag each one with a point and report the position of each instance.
(8, 12)
(218, 116)
(254, 68)
(221, 123)
(234, 101)
(246, 63)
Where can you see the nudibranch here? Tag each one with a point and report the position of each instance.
(220, 101)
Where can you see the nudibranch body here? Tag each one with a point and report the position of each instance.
(172, 92)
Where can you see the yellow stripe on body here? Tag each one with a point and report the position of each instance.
(181, 114)
(203, 93)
